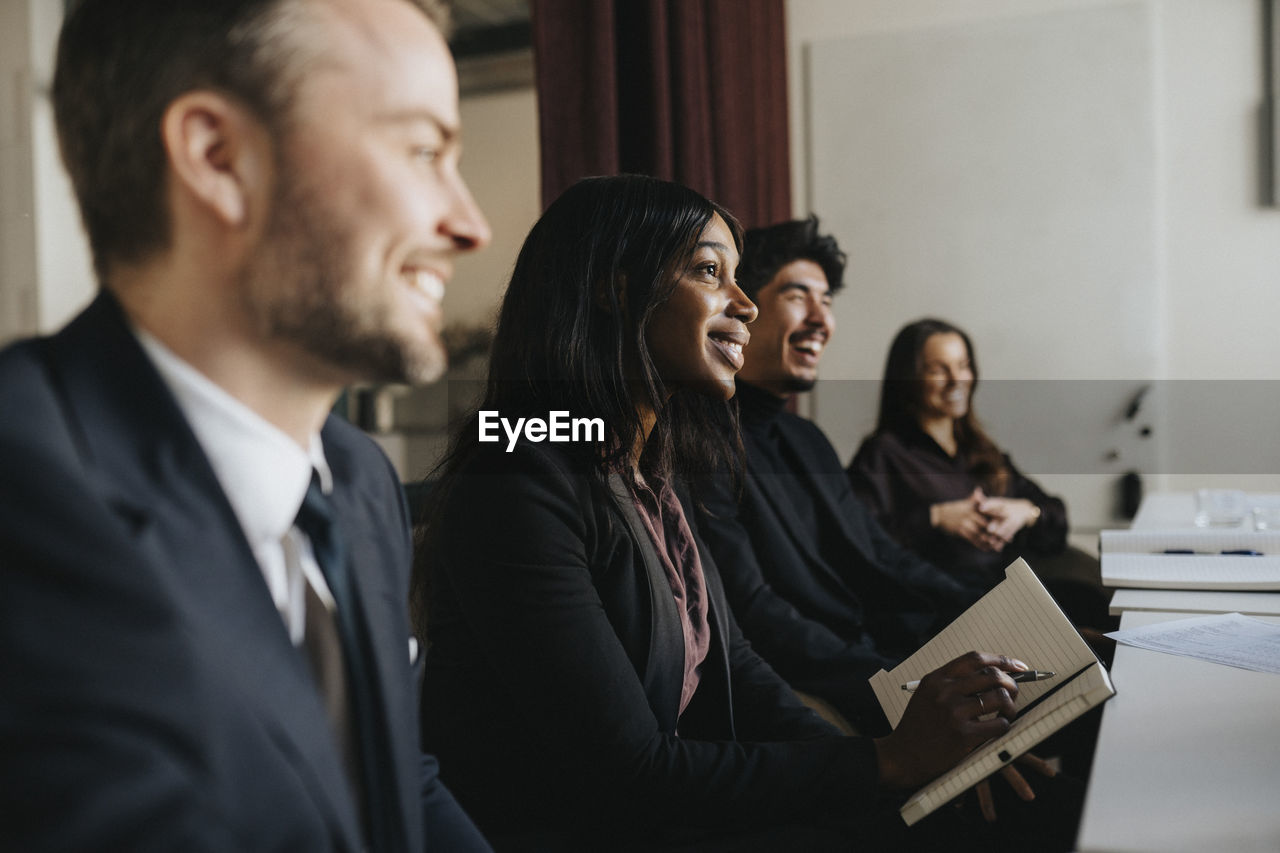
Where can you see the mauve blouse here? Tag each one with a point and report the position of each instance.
(663, 517)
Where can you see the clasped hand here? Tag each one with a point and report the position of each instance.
(987, 523)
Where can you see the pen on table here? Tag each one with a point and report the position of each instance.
(1029, 675)
(1236, 552)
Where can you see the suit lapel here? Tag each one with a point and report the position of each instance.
(663, 682)
(151, 468)
(717, 676)
(385, 616)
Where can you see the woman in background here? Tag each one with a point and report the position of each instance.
(933, 477)
(587, 686)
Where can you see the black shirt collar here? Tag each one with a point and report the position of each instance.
(757, 406)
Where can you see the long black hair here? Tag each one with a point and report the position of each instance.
(902, 391)
(572, 336)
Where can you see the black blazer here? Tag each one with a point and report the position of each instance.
(827, 599)
(151, 697)
(556, 665)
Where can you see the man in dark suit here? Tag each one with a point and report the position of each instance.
(203, 576)
(819, 588)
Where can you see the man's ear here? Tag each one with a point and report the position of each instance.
(218, 153)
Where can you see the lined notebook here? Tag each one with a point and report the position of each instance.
(1018, 618)
(1137, 558)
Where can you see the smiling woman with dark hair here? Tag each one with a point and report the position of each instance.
(939, 484)
(587, 685)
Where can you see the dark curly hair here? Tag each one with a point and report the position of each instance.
(769, 249)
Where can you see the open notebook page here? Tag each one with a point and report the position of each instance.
(1182, 571)
(1146, 541)
(1019, 619)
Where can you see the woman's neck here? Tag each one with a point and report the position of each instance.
(943, 431)
(648, 418)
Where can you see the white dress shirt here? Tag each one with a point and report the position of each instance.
(264, 474)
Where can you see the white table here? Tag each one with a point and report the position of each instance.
(1188, 756)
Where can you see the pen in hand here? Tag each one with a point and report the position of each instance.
(1029, 675)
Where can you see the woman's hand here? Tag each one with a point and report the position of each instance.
(1008, 516)
(964, 518)
(956, 707)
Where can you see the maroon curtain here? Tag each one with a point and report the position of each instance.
(693, 91)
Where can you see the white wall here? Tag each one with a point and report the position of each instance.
(1214, 307)
(500, 164)
(17, 225)
(64, 268)
(45, 273)
(1223, 250)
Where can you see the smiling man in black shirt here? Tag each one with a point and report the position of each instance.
(820, 589)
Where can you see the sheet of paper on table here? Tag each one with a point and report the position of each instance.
(1227, 638)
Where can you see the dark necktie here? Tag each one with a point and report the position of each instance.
(317, 519)
(328, 664)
